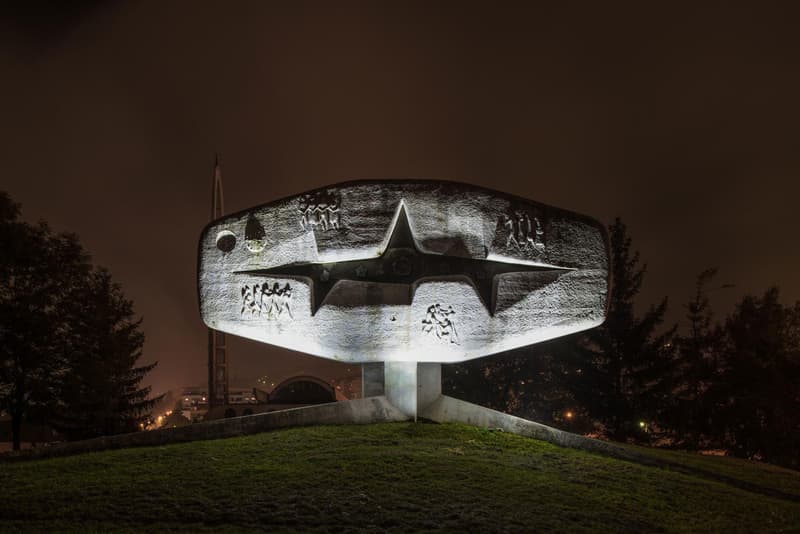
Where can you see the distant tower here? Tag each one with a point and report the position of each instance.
(217, 342)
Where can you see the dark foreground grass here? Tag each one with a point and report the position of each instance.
(399, 477)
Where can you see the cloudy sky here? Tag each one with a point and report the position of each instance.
(681, 119)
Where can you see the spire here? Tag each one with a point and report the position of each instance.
(217, 199)
(217, 341)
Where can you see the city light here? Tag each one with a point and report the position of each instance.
(569, 414)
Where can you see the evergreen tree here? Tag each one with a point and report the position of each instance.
(523, 382)
(619, 367)
(760, 373)
(695, 369)
(102, 393)
(38, 269)
(614, 375)
(68, 340)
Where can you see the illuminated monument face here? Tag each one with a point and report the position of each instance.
(403, 272)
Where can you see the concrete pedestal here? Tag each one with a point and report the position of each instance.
(371, 380)
(409, 386)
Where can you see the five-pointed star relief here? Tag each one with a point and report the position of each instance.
(402, 262)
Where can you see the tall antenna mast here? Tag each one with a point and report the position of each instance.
(217, 341)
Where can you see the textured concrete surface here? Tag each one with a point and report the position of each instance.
(400, 386)
(411, 386)
(429, 384)
(372, 383)
(403, 271)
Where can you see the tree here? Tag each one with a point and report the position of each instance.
(619, 367)
(48, 290)
(760, 373)
(102, 393)
(696, 369)
(527, 382)
(37, 269)
(614, 375)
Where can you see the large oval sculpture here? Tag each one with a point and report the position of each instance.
(403, 271)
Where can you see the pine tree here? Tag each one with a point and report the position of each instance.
(102, 393)
(619, 367)
(695, 369)
(758, 386)
(69, 343)
(526, 382)
(614, 375)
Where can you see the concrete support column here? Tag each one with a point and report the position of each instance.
(429, 384)
(412, 386)
(371, 380)
(400, 381)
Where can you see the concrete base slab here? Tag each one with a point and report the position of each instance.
(380, 409)
(359, 411)
(449, 410)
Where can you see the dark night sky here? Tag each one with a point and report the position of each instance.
(683, 120)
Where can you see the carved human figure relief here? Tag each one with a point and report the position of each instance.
(333, 214)
(525, 232)
(439, 322)
(248, 299)
(285, 300)
(268, 301)
(509, 223)
(319, 209)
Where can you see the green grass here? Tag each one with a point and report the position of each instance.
(397, 477)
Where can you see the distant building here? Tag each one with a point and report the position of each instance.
(241, 396)
(291, 393)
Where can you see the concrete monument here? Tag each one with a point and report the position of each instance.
(402, 277)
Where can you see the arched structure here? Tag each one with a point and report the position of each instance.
(302, 389)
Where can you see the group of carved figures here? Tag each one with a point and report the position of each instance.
(439, 322)
(524, 232)
(319, 210)
(266, 300)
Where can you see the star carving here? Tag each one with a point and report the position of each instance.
(402, 262)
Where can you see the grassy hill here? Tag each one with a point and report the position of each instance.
(398, 476)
